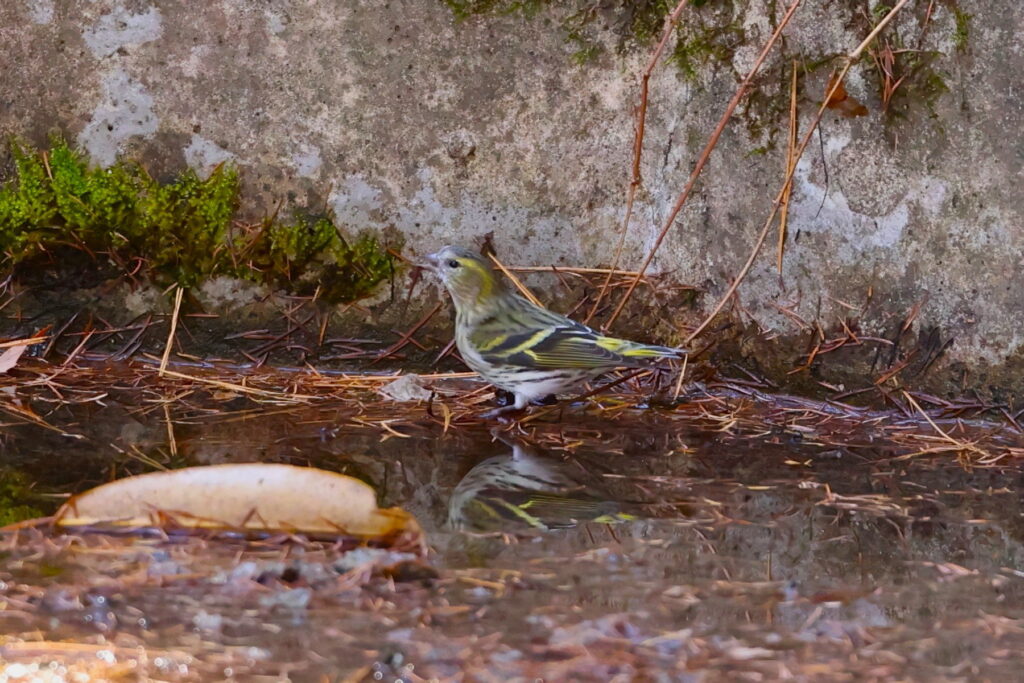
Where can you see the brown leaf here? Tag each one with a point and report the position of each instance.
(842, 102)
(252, 497)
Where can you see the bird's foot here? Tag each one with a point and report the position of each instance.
(503, 413)
(507, 398)
(510, 405)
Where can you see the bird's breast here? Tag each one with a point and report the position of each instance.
(468, 352)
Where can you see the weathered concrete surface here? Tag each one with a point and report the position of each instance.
(394, 114)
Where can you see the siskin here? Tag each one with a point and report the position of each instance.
(526, 489)
(520, 347)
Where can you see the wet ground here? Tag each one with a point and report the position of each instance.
(727, 535)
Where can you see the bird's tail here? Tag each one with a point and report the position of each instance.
(644, 354)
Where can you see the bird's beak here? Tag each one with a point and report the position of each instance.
(431, 261)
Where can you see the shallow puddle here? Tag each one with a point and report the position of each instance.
(730, 535)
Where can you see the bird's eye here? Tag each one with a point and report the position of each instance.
(452, 263)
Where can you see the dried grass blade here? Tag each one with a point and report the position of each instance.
(790, 166)
(515, 281)
(174, 327)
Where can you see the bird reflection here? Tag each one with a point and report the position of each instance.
(527, 489)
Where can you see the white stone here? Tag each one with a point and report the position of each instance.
(125, 111)
(120, 28)
(204, 155)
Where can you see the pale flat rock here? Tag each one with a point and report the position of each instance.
(407, 388)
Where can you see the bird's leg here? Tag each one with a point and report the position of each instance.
(520, 405)
(498, 412)
(503, 397)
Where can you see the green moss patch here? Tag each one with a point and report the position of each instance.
(310, 255)
(636, 22)
(15, 490)
(60, 210)
(962, 29)
(463, 9)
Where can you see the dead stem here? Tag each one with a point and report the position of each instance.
(638, 147)
(572, 270)
(837, 82)
(174, 326)
(790, 165)
(679, 382)
(406, 338)
(23, 342)
(324, 400)
(703, 159)
(961, 446)
(515, 281)
(241, 389)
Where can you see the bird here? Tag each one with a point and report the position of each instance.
(520, 347)
(525, 488)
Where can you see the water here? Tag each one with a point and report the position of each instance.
(731, 536)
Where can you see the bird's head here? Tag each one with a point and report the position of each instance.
(468, 277)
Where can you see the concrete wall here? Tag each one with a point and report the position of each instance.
(395, 114)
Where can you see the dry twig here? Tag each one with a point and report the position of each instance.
(790, 165)
(837, 82)
(515, 281)
(638, 147)
(703, 159)
(174, 326)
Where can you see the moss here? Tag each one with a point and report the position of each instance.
(60, 209)
(89, 201)
(932, 86)
(708, 38)
(879, 12)
(309, 254)
(708, 34)
(962, 29)
(15, 492)
(639, 22)
(646, 20)
(585, 50)
(463, 9)
(27, 210)
(180, 227)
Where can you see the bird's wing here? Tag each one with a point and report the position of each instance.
(566, 344)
